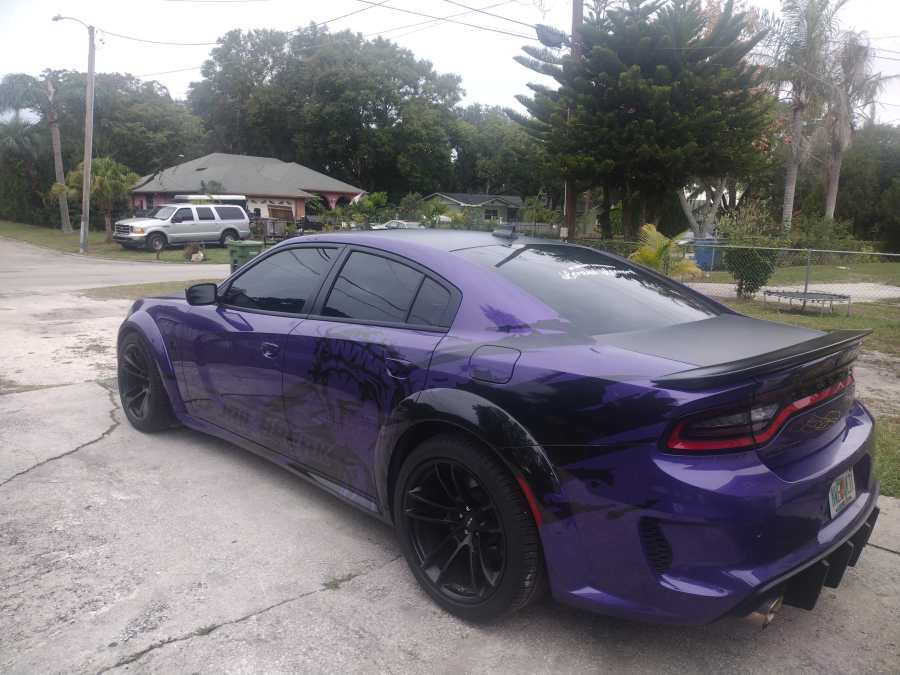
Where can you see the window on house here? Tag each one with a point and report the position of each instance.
(491, 214)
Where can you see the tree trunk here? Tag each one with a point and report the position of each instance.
(793, 168)
(107, 221)
(53, 123)
(605, 224)
(688, 212)
(631, 217)
(832, 180)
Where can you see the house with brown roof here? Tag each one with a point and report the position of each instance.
(273, 188)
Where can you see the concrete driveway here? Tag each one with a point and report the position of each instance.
(178, 553)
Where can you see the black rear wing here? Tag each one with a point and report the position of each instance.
(768, 362)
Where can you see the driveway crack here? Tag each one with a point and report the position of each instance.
(207, 630)
(114, 423)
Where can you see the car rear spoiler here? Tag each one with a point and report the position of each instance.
(768, 362)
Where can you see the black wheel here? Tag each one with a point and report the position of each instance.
(228, 236)
(141, 390)
(466, 530)
(156, 241)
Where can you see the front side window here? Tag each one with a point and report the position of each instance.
(283, 282)
(186, 215)
(205, 213)
(372, 288)
(594, 292)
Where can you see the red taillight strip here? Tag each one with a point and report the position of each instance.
(676, 442)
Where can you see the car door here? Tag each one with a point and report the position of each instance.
(367, 348)
(183, 225)
(207, 227)
(233, 358)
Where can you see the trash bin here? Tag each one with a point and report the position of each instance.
(707, 255)
(242, 251)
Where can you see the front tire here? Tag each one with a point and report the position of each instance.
(141, 391)
(156, 242)
(466, 530)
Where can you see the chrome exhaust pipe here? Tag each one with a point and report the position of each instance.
(765, 613)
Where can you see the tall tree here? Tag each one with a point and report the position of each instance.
(853, 89)
(800, 47)
(663, 97)
(19, 91)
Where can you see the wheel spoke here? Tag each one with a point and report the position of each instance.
(145, 404)
(492, 580)
(415, 515)
(428, 559)
(134, 373)
(130, 360)
(448, 562)
(416, 493)
(473, 566)
(437, 472)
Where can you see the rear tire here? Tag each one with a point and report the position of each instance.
(466, 530)
(156, 242)
(141, 391)
(228, 236)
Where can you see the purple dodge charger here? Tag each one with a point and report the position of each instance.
(529, 415)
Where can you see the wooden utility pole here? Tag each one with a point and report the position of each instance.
(571, 198)
(88, 146)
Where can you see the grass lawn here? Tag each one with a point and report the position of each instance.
(873, 272)
(68, 243)
(136, 291)
(884, 320)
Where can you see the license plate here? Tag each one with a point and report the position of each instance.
(841, 493)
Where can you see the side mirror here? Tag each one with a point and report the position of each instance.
(201, 294)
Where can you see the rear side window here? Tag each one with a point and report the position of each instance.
(205, 213)
(372, 288)
(283, 282)
(230, 213)
(431, 306)
(595, 293)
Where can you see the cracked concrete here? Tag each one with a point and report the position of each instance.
(178, 553)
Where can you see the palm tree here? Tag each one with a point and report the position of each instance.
(18, 92)
(854, 88)
(801, 46)
(111, 184)
(19, 142)
(657, 251)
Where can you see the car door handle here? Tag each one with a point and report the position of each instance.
(399, 369)
(270, 350)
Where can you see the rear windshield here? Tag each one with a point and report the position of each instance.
(596, 293)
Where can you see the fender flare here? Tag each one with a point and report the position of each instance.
(143, 324)
(510, 441)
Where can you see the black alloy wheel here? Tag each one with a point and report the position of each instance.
(466, 529)
(455, 531)
(141, 390)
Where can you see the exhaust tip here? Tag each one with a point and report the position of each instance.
(765, 613)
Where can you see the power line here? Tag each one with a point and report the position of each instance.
(496, 16)
(432, 22)
(461, 23)
(169, 72)
(344, 16)
(157, 42)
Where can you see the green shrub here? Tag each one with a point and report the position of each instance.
(751, 268)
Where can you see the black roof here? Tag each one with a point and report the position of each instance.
(440, 239)
(470, 199)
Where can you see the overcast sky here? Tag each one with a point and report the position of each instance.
(30, 42)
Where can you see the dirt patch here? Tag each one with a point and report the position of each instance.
(878, 381)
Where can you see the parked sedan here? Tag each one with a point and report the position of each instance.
(529, 415)
(398, 225)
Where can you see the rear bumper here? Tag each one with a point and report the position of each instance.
(670, 539)
(802, 586)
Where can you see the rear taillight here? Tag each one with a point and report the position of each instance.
(740, 429)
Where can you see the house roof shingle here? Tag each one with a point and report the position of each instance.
(245, 174)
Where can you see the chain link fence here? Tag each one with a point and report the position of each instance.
(816, 279)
